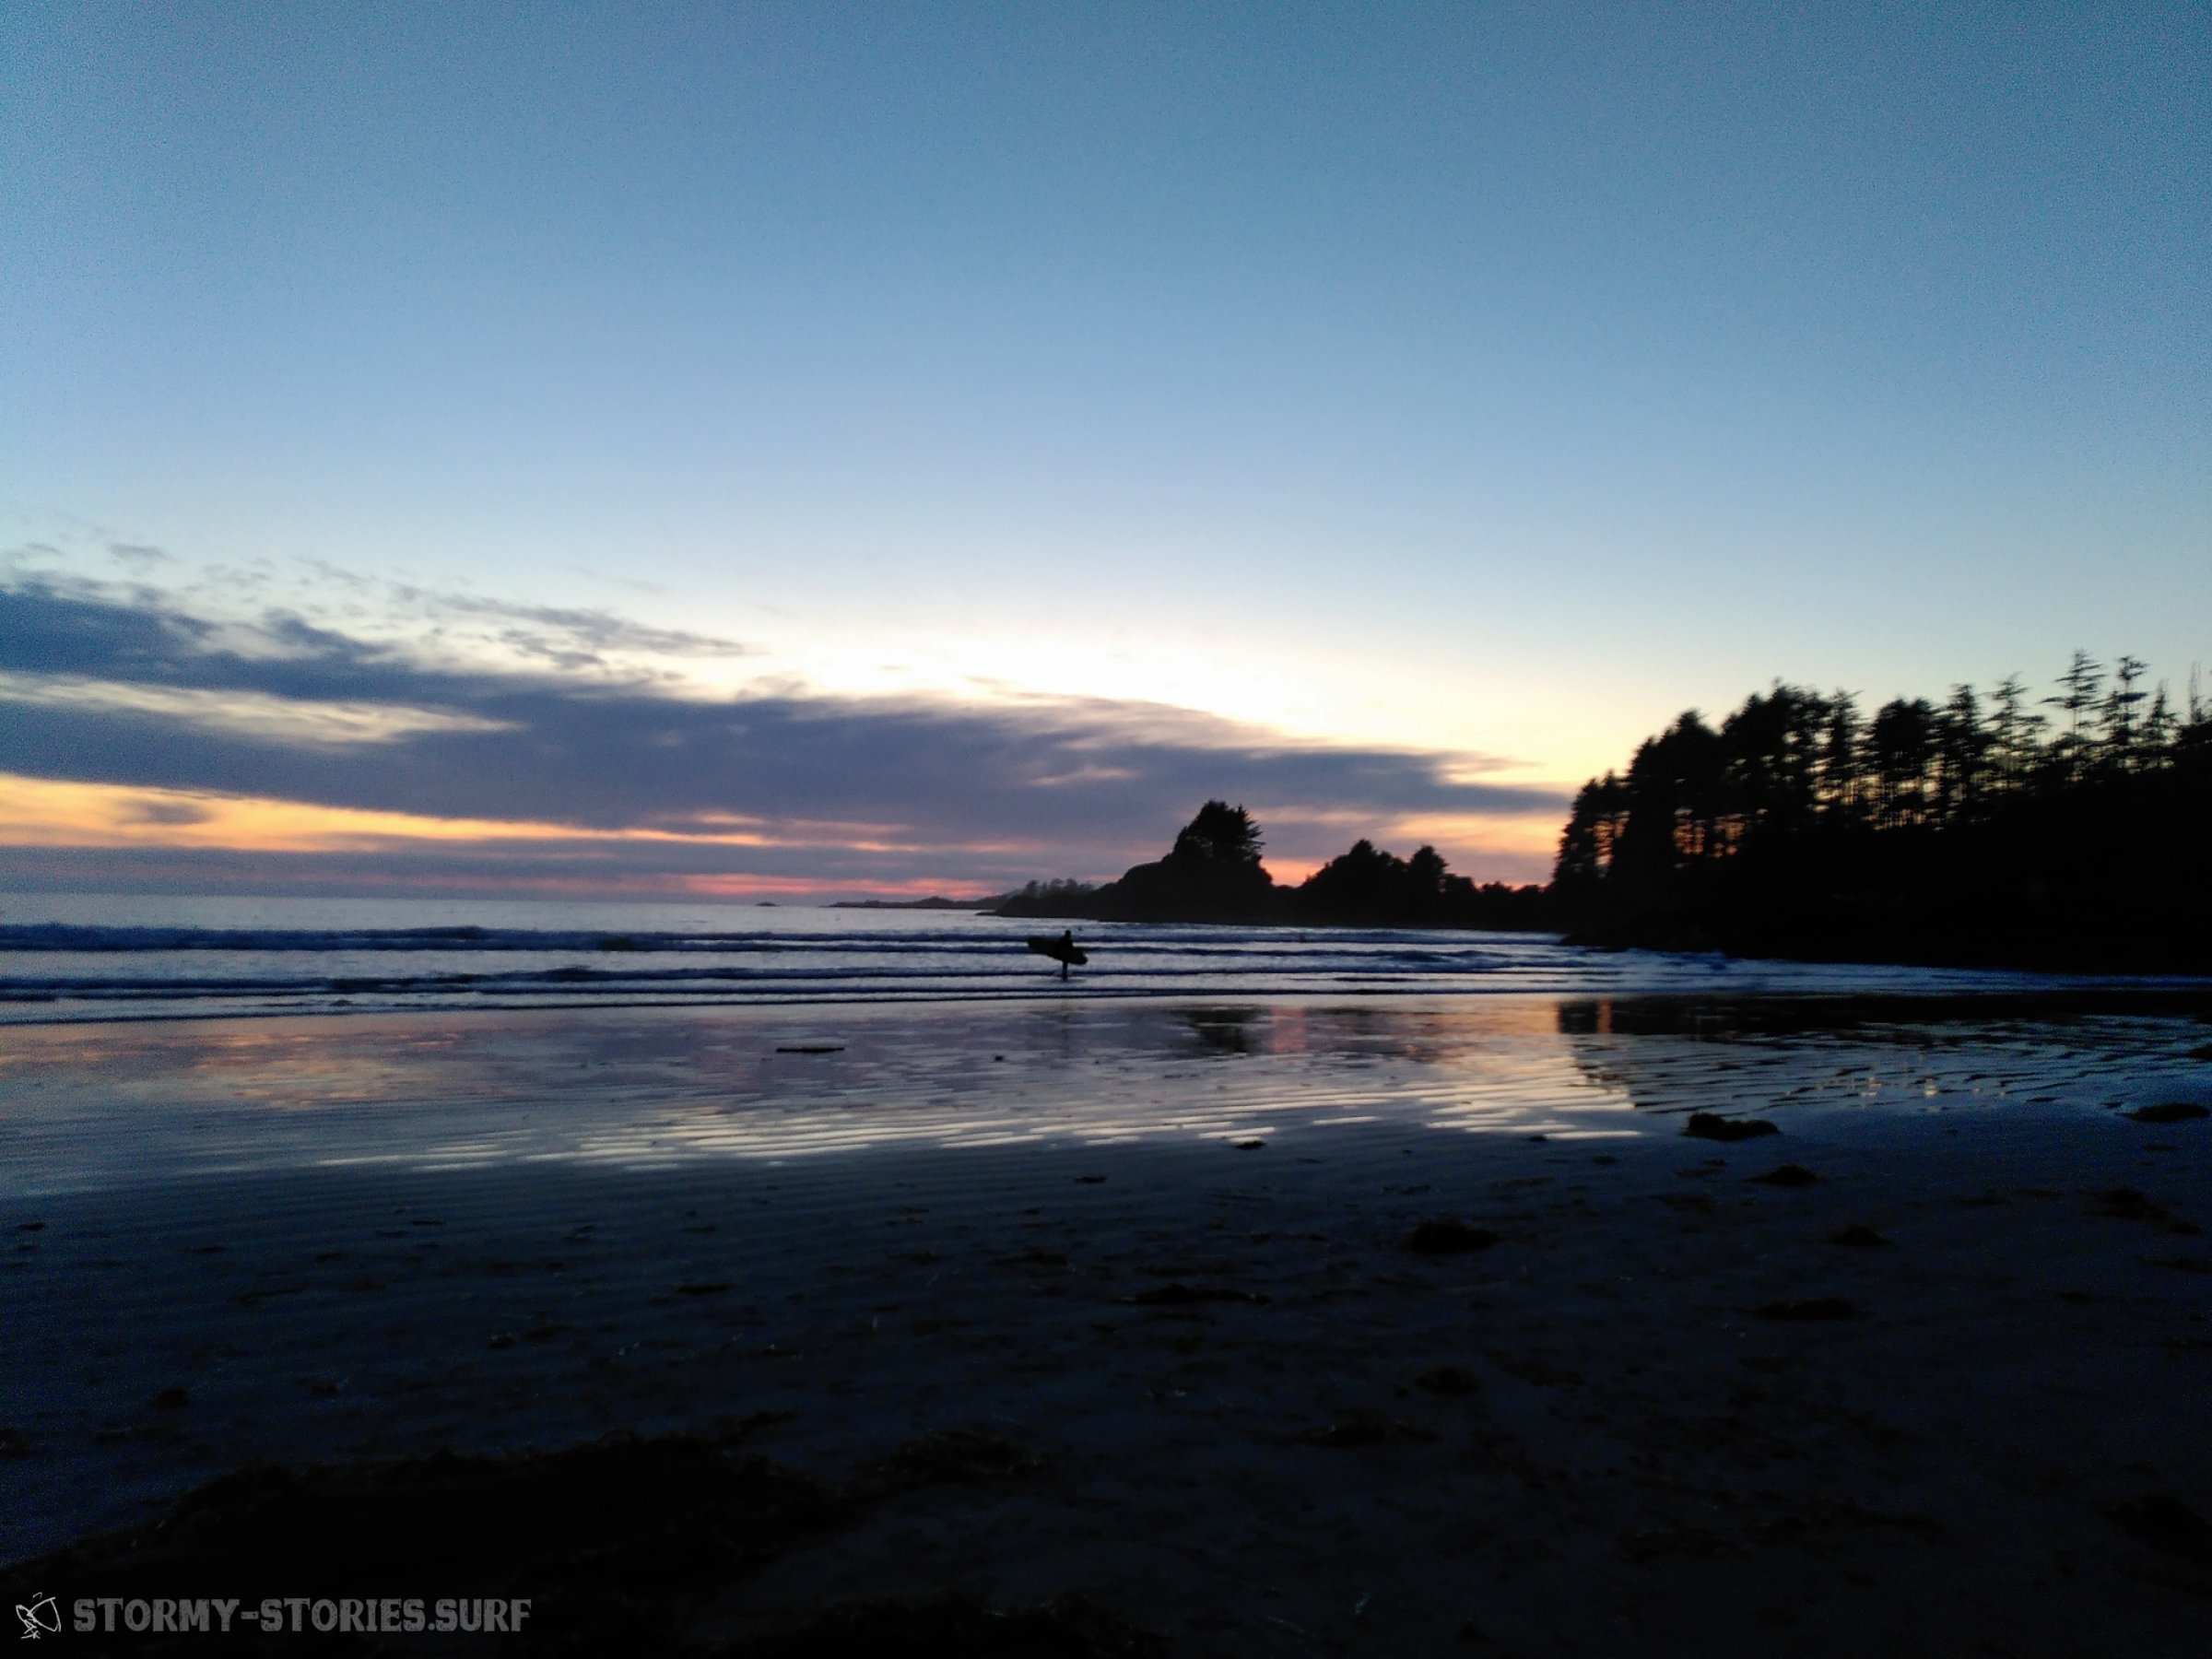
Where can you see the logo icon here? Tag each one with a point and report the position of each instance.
(41, 1617)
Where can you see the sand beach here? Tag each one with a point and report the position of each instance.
(1386, 1325)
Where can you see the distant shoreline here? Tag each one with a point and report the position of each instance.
(981, 906)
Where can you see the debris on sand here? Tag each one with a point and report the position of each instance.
(1808, 1308)
(1448, 1380)
(2165, 1523)
(2124, 1204)
(1711, 1126)
(810, 1048)
(1176, 1294)
(1646, 1543)
(2168, 1111)
(1541, 1372)
(1445, 1235)
(1032, 1257)
(949, 1458)
(1067, 1627)
(1366, 1428)
(734, 1429)
(1859, 1235)
(1787, 1175)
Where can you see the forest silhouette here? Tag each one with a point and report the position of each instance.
(2062, 831)
(2067, 830)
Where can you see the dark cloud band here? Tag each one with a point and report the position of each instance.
(1034, 786)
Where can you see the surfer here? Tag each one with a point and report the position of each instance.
(1063, 950)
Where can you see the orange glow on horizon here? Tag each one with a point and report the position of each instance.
(726, 886)
(1513, 848)
(55, 814)
(734, 886)
(42, 812)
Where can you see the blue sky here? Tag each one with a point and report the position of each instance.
(1458, 391)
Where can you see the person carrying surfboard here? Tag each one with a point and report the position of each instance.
(1063, 950)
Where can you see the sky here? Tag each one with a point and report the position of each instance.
(827, 449)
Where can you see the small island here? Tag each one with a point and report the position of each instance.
(1213, 873)
(935, 902)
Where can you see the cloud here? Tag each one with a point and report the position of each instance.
(419, 621)
(130, 689)
(562, 635)
(253, 715)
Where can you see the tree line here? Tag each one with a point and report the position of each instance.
(2067, 828)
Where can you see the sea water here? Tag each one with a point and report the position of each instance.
(79, 956)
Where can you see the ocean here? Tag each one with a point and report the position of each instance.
(100, 956)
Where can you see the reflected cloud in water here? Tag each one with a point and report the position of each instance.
(111, 1105)
(117, 1105)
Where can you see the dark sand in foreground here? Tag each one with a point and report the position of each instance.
(1948, 1395)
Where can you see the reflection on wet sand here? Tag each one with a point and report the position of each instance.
(648, 1089)
(108, 1104)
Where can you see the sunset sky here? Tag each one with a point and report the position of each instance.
(829, 449)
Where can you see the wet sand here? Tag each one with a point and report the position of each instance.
(1373, 1327)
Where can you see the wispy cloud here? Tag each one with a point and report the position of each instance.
(568, 637)
(419, 621)
(251, 714)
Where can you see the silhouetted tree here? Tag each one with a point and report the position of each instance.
(1212, 874)
(1841, 799)
(2159, 727)
(1221, 837)
(1425, 875)
(1904, 740)
(1962, 745)
(2119, 715)
(1936, 833)
(1370, 886)
(1051, 899)
(2015, 730)
(1593, 832)
(2077, 696)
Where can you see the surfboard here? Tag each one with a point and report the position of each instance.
(1063, 949)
